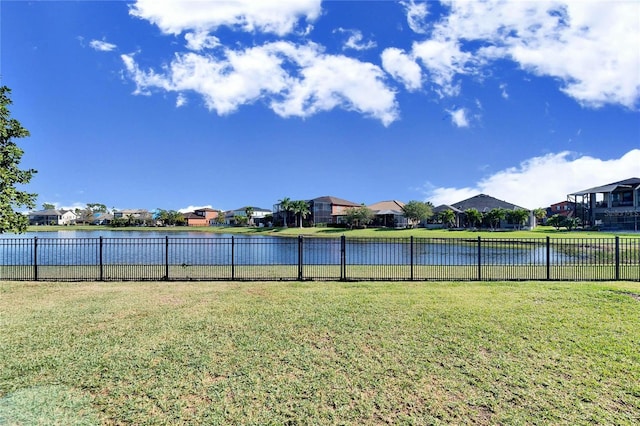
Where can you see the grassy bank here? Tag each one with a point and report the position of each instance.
(539, 232)
(322, 353)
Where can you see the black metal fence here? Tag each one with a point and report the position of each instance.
(310, 258)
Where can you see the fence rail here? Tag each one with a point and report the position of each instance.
(309, 258)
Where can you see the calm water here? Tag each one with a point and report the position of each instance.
(197, 248)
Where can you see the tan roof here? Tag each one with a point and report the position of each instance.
(387, 205)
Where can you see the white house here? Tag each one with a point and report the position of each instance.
(52, 217)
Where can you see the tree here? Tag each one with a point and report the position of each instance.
(448, 217)
(285, 206)
(170, 217)
(555, 221)
(494, 216)
(518, 216)
(359, 216)
(301, 209)
(249, 212)
(219, 219)
(474, 217)
(539, 214)
(48, 206)
(10, 175)
(88, 214)
(417, 211)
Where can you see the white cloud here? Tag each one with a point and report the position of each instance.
(201, 40)
(503, 91)
(102, 45)
(444, 60)
(402, 67)
(584, 44)
(459, 117)
(416, 15)
(181, 100)
(355, 40)
(268, 16)
(293, 80)
(542, 181)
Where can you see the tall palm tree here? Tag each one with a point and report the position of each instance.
(249, 212)
(286, 206)
(301, 209)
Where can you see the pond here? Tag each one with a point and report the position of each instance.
(201, 248)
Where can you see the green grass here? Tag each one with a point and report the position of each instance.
(320, 353)
(539, 232)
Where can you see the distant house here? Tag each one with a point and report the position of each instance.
(200, 217)
(484, 203)
(133, 213)
(612, 206)
(326, 210)
(258, 215)
(563, 208)
(389, 214)
(52, 217)
(329, 210)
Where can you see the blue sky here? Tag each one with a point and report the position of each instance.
(177, 105)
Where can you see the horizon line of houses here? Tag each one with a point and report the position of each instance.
(611, 206)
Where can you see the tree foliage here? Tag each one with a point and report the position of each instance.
(416, 211)
(10, 174)
(447, 217)
(249, 212)
(359, 216)
(301, 209)
(495, 216)
(286, 206)
(518, 216)
(474, 217)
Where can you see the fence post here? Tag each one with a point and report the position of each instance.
(548, 258)
(100, 260)
(233, 265)
(411, 256)
(299, 257)
(617, 258)
(166, 258)
(479, 259)
(35, 258)
(343, 258)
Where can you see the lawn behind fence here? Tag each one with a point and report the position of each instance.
(320, 353)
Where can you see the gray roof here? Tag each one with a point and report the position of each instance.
(48, 212)
(484, 203)
(444, 207)
(630, 183)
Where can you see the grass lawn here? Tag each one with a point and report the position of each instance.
(320, 353)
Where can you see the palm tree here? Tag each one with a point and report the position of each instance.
(249, 212)
(301, 209)
(286, 207)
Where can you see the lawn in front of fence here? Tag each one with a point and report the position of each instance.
(319, 352)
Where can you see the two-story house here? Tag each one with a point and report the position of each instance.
(52, 217)
(201, 217)
(612, 206)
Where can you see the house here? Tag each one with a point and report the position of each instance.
(484, 203)
(52, 217)
(563, 208)
(329, 210)
(259, 216)
(200, 217)
(325, 210)
(389, 214)
(612, 206)
(459, 214)
(141, 214)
